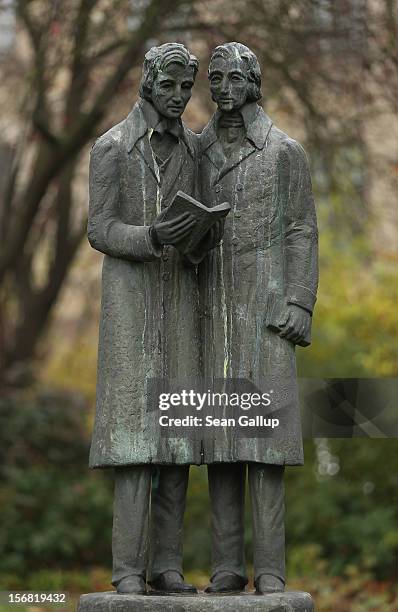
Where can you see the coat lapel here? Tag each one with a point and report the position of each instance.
(173, 169)
(216, 155)
(258, 126)
(144, 148)
(210, 145)
(237, 156)
(137, 137)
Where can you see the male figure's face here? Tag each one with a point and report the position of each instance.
(172, 90)
(228, 83)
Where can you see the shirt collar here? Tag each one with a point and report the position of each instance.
(160, 124)
(248, 112)
(256, 121)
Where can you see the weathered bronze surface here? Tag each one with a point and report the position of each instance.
(149, 317)
(269, 250)
(202, 315)
(269, 246)
(149, 312)
(110, 602)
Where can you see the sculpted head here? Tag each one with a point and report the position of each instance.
(168, 76)
(235, 76)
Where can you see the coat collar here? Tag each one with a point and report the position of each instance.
(257, 126)
(136, 126)
(144, 117)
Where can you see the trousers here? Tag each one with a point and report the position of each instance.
(139, 516)
(227, 483)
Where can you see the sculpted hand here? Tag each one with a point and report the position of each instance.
(295, 324)
(213, 236)
(171, 232)
(217, 231)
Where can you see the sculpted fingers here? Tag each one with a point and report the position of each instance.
(288, 327)
(301, 328)
(219, 230)
(181, 219)
(296, 337)
(181, 231)
(168, 232)
(283, 320)
(293, 336)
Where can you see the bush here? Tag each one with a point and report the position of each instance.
(55, 511)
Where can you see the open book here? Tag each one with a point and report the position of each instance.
(276, 306)
(205, 217)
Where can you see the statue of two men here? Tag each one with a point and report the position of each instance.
(171, 316)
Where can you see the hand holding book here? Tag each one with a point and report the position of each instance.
(173, 230)
(186, 221)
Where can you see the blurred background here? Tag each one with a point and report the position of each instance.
(70, 69)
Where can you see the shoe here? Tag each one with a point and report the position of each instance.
(266, 583)
(226, 584)
(171, 583)
(131, 585)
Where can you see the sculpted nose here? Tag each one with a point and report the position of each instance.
(177, 92)
(224, 85)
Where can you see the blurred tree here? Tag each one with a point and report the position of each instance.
(329, 71)
(79, 53)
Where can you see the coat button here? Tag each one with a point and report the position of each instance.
(235, 240)
(166, 276)
(239, 187)
(218, 188)
(237, 215)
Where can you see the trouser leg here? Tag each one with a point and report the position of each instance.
(268, 510)
(227, 498)
(167, 517)
(130, 521)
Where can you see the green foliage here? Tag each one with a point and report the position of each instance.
(355, 325)
(197, 522)
(349, 519)
(55, 512)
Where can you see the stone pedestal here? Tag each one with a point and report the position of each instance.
(291, 601)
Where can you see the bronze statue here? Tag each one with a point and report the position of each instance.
(147, 290)
(232, 312)
(268, 256)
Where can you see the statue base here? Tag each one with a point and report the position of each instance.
(110, 601)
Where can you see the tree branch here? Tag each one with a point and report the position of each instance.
(49, 162)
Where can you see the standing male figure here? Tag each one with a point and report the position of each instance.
(149, 317)
(269, 250)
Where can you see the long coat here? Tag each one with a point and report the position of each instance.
(269, 246)
(149, 309)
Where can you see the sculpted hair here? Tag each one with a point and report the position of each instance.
(158, 58)
(238, 51)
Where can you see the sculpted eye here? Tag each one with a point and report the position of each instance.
(215, 79)
(187, 85)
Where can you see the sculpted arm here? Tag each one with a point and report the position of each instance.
(300, 240)
(106, 230)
